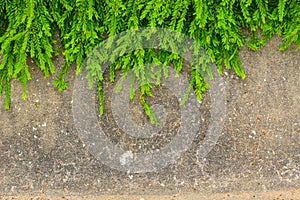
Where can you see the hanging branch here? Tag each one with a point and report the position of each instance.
(27, 27)
(27, 32)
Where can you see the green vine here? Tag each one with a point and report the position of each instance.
(27, 27)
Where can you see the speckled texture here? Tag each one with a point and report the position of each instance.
(258, 150)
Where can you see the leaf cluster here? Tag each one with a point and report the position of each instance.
(27, 28)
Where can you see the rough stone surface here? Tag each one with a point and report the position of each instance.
(258, 150)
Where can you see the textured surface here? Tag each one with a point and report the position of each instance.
(258, 150)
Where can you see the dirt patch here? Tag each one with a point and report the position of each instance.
(258, 149)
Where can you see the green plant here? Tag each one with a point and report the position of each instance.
(27, 27)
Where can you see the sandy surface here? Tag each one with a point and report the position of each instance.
(270, 195)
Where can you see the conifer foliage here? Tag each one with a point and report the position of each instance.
(27, 28)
